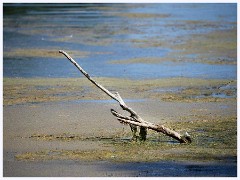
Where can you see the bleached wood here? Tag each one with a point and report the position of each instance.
(134, 119)
(148, 125)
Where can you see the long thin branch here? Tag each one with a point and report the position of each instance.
(88, 76)
(115, 96)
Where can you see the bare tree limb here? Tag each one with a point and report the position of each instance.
(115, 96)
(158, 128)
(134, 120)
(89, 78)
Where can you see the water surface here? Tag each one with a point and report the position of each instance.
(110, 32)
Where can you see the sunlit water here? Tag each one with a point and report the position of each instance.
(107, 33)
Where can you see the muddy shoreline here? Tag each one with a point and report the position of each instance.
(27, 153)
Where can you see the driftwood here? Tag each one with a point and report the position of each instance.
(134, 120)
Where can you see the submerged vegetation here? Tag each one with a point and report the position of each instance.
(218, 47)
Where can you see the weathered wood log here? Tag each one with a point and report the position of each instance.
(116, 96)
(134, 119)
(159, 128)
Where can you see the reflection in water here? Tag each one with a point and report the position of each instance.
(111, 32)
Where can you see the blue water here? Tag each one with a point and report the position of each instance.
(101, 30)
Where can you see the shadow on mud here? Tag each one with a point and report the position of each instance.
(173, 169)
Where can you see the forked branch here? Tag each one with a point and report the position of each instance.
(134, 119)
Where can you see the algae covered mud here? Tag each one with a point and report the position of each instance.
(37, 90)
(175, 64)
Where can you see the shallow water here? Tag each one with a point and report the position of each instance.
(109, 32)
